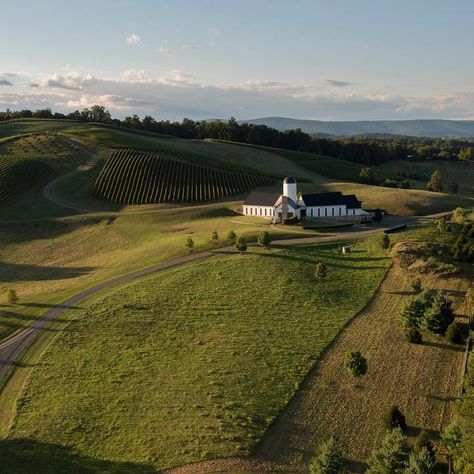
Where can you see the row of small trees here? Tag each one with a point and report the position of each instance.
(264, 239)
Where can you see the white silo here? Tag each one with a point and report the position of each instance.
(289, 188)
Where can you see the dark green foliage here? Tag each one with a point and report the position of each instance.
(454, 333)
(231, 236)
(320, 270)
(416, 285)
(356, 364)
(366, 175)
(395, 419)
(463, 247)
(132, 177)
(454, 188)
(12, 297)
(378, 215)
(241, 244)
(390, 183)
(414, 310)
(328, 460)
(404, 184)
(434, 184)
(421, 462)
(414, 335)
(439, 315)
(290, 220)
(215, 236)
(391, 456)
(385, 242)
(264, 239)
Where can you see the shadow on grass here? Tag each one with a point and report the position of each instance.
(440, 345)
(28, 456)
(11, 272)
(415, 431)
(355, 466)
(15, 363)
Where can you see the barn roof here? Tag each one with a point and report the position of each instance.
(334, 198)
(262, 199)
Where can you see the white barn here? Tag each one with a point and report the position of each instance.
(330, 205)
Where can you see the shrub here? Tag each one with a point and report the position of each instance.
(241, 245)
(356, 364)
(378, 215)
(390, 183)
(413, 312)
(405, 184)
(421, 462)
(189, 244)
(385, 242)
(454, 333)
(12, 297)
(458, 215)
(416, 285)
(395, 419)
(414, 335)
(328, 460)
(290, 220)
(434, 184)
(231, 236)
(454, 188)
(215, 236)
(264, 239)
(320, 270)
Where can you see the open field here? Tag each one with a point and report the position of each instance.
(221, 379)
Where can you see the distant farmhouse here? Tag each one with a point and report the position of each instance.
(332, 205)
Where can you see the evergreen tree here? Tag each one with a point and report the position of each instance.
(12, 297)
(391, 456)
(416, 285)
(189, 244)
(231, 236)
(421, 462)
(215, 236)
(328, 460)
(385, 243)
(440, 315)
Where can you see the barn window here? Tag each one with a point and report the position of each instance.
(340, 211)
(325, 211)
(353, 212)
(333, 211)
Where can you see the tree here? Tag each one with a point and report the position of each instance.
(434, 184)
(231, 236)
(264, 239)
(367, 175)
(413, 312)
(454, 188)
(215, 236)
(440, 315)
(421, 462)
(328, 460)
(391, 456)
(320, 270)
(189, 244)
(458, 215)
(416, 285)
(355, 364)
(385, 242)
(12, 297)
(378, 215)
(395, 419)
(241, 244)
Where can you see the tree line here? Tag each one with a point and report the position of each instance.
(371, 150)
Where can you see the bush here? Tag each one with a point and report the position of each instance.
(385, 242)
(391, 456)
(434, 184)
(264, 239)
(328, 460)
(416, 285)
(320, 270)
(290, 220)
(241, 245)
(215, 236)
(395, 419)
(356, 364)
(454, 333)
(231, 236)
(378, 215)
(405, 184)
(189, 244)
(414, 335)
(390, 183)
(12, 297)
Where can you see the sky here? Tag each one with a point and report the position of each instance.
(202, 59)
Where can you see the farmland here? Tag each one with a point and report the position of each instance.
(219, 376)
(141, 178)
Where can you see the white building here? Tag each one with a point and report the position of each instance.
(311, 206)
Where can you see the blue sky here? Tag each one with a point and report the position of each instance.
(329, 60)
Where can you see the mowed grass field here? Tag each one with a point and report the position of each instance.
(192, 363)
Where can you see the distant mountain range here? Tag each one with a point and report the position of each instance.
(415, 128)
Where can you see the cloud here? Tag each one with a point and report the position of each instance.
(4, 82)
(134, 75)
(333, 83)
(214, 33)
(189, 46)
(70, 80)
(178, 78)
(133, 39)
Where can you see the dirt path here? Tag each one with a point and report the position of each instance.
(423, 380)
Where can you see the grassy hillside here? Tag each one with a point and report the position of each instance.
(177, 377)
